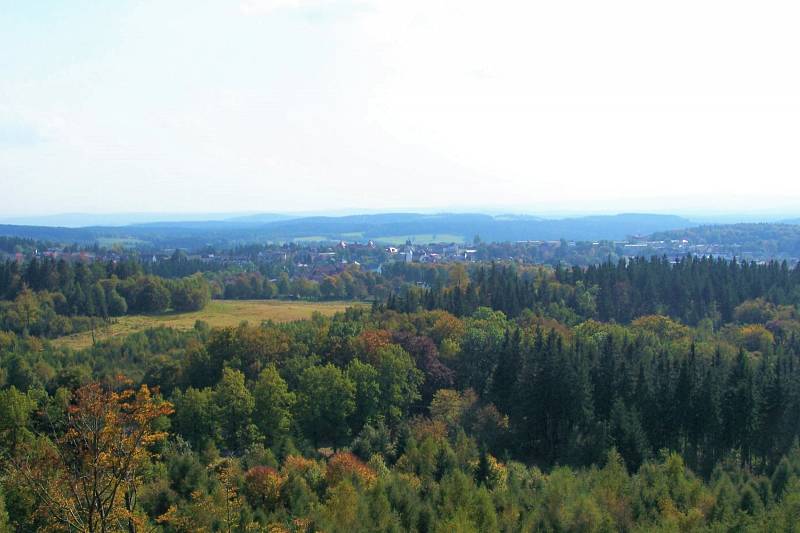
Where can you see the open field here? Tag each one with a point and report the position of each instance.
(218, 313)
(124, 242)
(311, 238)
(416, 238)
(420, 238)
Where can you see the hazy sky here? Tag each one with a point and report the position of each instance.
(299, 105)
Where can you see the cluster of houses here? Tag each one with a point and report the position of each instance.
(431, 253)
(683, 247)
(55, 254)
(318, 260)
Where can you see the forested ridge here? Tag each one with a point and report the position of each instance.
(193, 234)
(644, 395)
(772, 238)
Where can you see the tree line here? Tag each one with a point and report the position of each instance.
(50, 298)
(690, 289)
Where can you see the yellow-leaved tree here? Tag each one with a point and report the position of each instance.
(85, 474)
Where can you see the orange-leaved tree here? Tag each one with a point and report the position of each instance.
(86, 472)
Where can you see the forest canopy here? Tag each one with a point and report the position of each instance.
(634, 396)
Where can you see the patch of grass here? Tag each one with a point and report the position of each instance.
(420, 238)
(312, 238)
(125, 242)
(218, 313)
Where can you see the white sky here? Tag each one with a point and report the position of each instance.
(300, 105)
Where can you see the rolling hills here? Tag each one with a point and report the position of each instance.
(389, 227)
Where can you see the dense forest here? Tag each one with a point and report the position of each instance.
(51, 298)
(691, 289)
(644, 395)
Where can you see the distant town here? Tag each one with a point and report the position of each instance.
(316, 260)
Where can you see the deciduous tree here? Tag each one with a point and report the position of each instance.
(85, 476)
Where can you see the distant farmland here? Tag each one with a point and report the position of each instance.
(218, 313)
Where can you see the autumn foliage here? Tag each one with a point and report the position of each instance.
(370, 342)
(345, 465)
(263, 486)
(85, 477)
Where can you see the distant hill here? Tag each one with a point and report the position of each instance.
(503, 228)
(388, 227)
(83, 220)
(259, 218)
(46, 233)
(732, 233)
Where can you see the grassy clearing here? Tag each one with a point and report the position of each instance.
(125, 242)
(421, 238)
(417, 238)
(218, 313)
(312, 238)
